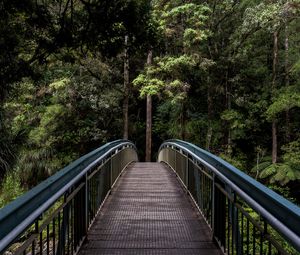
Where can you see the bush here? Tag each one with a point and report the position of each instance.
(10, 189)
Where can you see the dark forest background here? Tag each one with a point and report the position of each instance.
(75, 74)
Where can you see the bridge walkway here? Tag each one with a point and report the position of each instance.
(148, 212)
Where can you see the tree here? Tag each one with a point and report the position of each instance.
(180, 25)
(36, 32)
(223, 74)
(126, 89)
(149, 117)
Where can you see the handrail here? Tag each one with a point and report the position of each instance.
(22, 212)
(281, 213)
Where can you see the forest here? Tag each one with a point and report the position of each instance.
(75, 74)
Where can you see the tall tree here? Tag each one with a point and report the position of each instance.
(274, 70)
(126, 89)
(286, 75)
(149, 117)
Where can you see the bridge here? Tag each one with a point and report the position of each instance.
(188, 202)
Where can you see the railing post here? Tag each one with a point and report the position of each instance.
(213, 205)
(175, 160)
(63, 228)
(36, 230)
(187, 171)
(219, 219)
(86, 190)
(111, 172)
(235, 227)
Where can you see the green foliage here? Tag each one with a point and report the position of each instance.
(236, 121)
(60, 118)
(291, 154)
(283, 191)
(61, 81)
(265, 15)
(280, 173)
(35, 165)
(296, 67)
(173, 65)
(166, 116)
(51, 119)
(148, 86)
(192, 37)
(164, 77)
(10, 188)
(59, 85)
(265, 162)
(268, 171)
(6, 153)
(286, 171)
(287, 99)
(185, 21)
(238, 161)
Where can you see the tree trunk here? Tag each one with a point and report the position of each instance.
(274, 126)
(209, 115)
(126, 89)
(149, 118)
(287, 81)
(274, 142)
(228, 106)
(183, 122)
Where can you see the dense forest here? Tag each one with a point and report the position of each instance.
(75, 74)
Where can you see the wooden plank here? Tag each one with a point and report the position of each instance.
(148, 212)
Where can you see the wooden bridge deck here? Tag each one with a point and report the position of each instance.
(148, 212)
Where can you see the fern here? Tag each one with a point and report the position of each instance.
(261, 166)
(281, 173)
(268, 171)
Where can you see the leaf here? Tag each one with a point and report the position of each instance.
(286, 100)
(281, 173)
(60, 84)
(261, 166)
(284, 174)
(268, 171)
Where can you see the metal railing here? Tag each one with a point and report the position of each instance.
(245, 216)
(54, 217)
